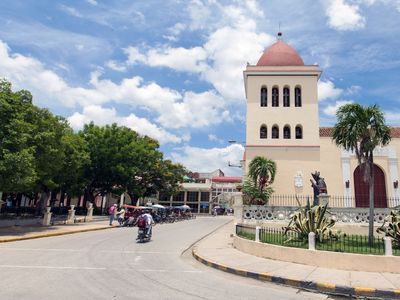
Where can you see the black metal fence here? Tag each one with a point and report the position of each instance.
(344, 243)
(277, 236)
(248, 232)
(334, 200)
(353, 244)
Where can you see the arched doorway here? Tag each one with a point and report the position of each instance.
(361, 188)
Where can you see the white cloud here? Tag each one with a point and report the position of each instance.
(206, 160)
(196, 111)
(392, 117)
(232, 41)
(220, 61)
(93, 2)
(175, 31)
(228, 50)
(331, 110)
(214, 138)
(71, 11)
(134, 55)
(102, 116)
(353, 90)
(180, 59)
(173, 109)
(343, 16)
(327, 90)
(116, 66)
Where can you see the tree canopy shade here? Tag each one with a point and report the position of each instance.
(260, 176)
(17, 153)
(362, 129)
(39, 152)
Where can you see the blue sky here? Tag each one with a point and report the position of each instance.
(173, 69)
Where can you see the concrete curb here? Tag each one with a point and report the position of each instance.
(322, 287)
(50, 234)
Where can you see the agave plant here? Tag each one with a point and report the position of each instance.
(391, 226)
(311, 219)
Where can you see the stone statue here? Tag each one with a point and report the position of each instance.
(318, 185)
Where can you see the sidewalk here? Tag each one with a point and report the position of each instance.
(217, 251)
(16, 233)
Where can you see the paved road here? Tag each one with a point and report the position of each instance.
(110, 265)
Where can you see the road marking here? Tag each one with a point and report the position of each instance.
(140, 252)
(50, 267)
(168, 271)
(79, 250)
(43, 249)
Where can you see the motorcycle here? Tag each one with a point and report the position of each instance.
(143, 236)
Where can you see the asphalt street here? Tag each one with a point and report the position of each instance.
(110, 264)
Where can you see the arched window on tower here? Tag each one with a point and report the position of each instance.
(275, 132)
(264, 97)
(286, 132)
(263, 132)
(299, 132)
(275, 96)
(286, 97)
(297, 97)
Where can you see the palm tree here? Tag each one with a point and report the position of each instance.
(361, 129)
(261, 174)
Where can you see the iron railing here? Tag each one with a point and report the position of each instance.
(334, 200)
(248, 232)
(277, 236)
(353, 244)
(344, 243)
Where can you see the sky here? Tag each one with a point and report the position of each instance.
(173, 69)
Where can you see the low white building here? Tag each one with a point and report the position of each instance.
(203, 191)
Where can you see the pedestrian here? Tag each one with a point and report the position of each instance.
(112, 211)
(215, 211)
(121, 216)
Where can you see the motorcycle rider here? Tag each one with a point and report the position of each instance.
(149, 222)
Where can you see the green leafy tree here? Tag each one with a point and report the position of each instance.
(71, 180)
(361, 129)
(260, 176)
(49, 151)
(17, 161)
(120, 161)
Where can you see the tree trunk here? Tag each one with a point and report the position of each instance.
(44, 195)
(371, 200)
(62, 198)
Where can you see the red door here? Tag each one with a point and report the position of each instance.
(361, 188)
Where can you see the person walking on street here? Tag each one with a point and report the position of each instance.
(121, 216)
(112, 211)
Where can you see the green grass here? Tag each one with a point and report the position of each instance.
(283, 240)
(353, 244)
(347, 244)
(246, 235)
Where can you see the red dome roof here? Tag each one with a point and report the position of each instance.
(280, 54)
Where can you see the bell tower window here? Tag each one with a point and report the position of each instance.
(297, 97)
(263, 132)
(275, 97)
(286, 97)
(299, 132)
(264, 97)
(275, 132)
(286, 132)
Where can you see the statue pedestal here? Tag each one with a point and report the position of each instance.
(47, 217)
(71, 215)
(323, 199)
(89, 215)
